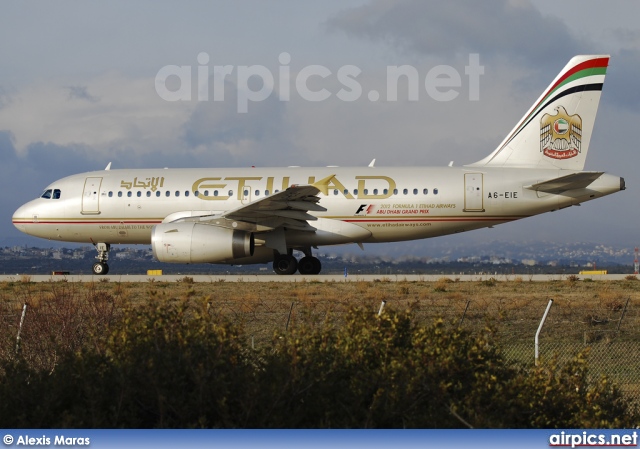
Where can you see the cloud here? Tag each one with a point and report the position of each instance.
(81, 93)
(107, 112)
(221, 135)
(7, 149)
(621, 85)
(53, 161)
(506, 29)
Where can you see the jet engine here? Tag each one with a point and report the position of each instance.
(199, 243)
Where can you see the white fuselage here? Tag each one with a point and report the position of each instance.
(393, 204)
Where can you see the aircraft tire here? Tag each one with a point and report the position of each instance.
(317, 266)
(285, 264)
(100, 268)
(309, 265)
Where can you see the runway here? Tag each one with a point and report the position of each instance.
(307, 278)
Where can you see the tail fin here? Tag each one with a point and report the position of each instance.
(556, 131)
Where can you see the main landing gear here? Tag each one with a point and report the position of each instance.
(101, 267)
(287, 264)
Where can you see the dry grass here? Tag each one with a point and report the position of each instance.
(513, 301)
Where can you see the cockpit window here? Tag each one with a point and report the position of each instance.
(51, 193)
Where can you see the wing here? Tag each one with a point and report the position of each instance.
(289, 208)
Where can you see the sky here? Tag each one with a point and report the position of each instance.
(83, 84)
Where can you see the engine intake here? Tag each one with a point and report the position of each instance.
(199, 243)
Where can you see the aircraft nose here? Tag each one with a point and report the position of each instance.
(21, 217)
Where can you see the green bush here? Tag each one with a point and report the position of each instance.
(171, 364)
(386, 372)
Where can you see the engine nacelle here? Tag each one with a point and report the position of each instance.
(199, 243)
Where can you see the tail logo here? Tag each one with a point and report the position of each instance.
(560, 134)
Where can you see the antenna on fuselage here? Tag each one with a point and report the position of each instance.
(108, 166)
(373, 162)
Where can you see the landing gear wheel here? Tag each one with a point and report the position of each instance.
(285, 264)
(309, 265)
(100, 268)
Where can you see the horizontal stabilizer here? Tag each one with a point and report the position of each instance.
(564, 183)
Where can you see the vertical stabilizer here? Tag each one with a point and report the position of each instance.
(556, 131)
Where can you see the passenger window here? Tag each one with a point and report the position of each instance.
(56, 194)
(177, 193)
(435, 191)
(196, 193)
(129, 194)
(186, 193)
(215, 193)
(148, 193)
(230, 192)
(425, 191)
(119, 194)
(206, 193)
(335, 191)
(415, 191)
(110, 194)
(405, 191)
(385, 191)
(375, 191)
(366, 191)
(395, 191)
(167, 193)
(266, 192)
(257, 192)
(139, 193)
(46, 194)
(355, 191)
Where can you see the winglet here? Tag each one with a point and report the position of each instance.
(323, 184)
(373, 163)
(108, 167)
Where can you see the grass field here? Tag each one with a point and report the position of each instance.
(601, 315)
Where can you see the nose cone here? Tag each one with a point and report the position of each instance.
(22, 216)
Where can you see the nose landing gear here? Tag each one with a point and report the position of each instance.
(101, 267)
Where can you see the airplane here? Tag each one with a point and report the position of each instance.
(262, 215)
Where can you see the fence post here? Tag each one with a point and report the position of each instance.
(286, 328)
(623, 312)
(381, 307)
(544, 317)
(465, 312)
(24, 312)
